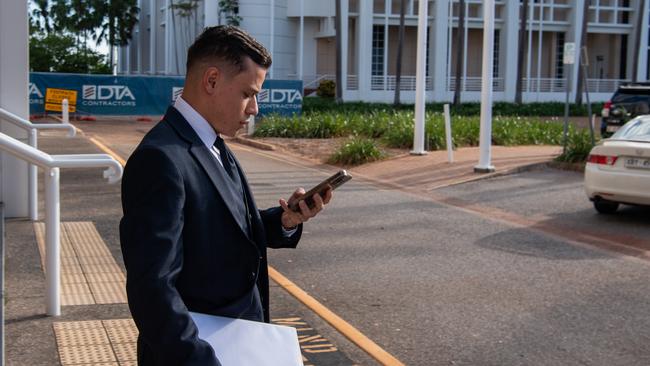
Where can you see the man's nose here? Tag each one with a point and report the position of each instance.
(252, 107)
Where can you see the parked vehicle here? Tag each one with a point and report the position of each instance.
(618, 168)
(628, 101)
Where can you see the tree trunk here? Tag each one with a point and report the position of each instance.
(583, 41)
(637, 41)
(400, 43)
(522, 51)
(339, 54)
(460, 51)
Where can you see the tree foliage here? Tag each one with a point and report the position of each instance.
(111, 21)
(55, 52)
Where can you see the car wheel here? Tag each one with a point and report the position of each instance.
(605, 207)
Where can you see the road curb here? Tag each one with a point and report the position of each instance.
(256, 144)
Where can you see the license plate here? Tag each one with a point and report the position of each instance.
(637, 163)
(611, 128)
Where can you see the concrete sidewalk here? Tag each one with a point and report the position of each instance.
(95, 328)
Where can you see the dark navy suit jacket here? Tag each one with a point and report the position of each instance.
(185, 248)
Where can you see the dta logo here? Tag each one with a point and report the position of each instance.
(263, 96)
(108, 95)
(90, 92)
(176, 92)
(33, 89)
(285, 96)
(279, 96)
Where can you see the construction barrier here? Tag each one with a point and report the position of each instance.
(145, 95)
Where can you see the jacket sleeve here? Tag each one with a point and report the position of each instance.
(153, 196)
(275, 235)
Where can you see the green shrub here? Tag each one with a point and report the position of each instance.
(326, 89)
(578, 147)
(328, 105)
(357, 151)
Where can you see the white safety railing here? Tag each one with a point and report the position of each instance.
(32, 128)
(51, 165)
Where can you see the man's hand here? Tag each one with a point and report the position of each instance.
(291, 219)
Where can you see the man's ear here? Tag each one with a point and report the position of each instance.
(211, 78)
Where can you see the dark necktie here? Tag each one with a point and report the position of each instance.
(227, 161)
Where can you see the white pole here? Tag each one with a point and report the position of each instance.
(485, 140)
(450, 146)
(53, 242)
(65, 109)
(33, 179)
(418, 135)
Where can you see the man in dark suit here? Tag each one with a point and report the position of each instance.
(192, 237)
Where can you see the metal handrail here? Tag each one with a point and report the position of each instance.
(32, 129)
(52, 164)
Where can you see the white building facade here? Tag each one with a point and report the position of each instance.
(301, 37)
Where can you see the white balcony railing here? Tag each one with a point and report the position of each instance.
(474, 84)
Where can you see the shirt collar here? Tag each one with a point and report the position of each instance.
(199, 124)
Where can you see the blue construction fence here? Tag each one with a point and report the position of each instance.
(146, 95)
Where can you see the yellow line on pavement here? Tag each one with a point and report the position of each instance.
(337, 322)
(107, 150)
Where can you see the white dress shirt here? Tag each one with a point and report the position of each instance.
(200, 125)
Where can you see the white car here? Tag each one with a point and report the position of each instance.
(618, 168)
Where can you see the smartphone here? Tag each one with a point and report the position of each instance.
(333, 182)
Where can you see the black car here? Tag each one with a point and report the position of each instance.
(628, 101)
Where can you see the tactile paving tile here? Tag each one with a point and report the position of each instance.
(97, 343)
(89, 273)
(123, 334)
(125, 351)
(93, 353)
(80, 337)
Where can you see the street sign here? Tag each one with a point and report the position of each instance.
(54, 99)
(569, 53)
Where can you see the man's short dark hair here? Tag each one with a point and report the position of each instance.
(227, 43)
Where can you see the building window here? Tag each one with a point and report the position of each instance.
(378, 32)
(559, 55)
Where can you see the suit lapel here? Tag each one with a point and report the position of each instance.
(209, 164)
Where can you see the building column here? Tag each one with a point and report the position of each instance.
(345, 33)
(153, 30)
(364, 46)
(168, 39)
(14, 80)
(510, 41)
(642, 70)
(439, 49)
(210, 13)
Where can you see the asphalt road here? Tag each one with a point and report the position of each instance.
(438, 285)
